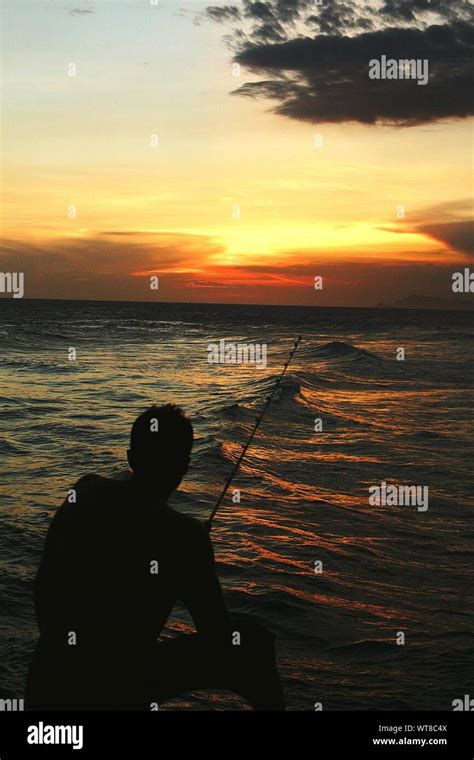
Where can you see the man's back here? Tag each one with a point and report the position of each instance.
(115, 563)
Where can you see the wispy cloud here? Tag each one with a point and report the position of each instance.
(80, 11)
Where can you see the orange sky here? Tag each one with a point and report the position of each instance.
(235, 203)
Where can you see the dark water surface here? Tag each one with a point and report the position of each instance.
(304, 494)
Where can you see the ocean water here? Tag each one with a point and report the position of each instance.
(304, 494)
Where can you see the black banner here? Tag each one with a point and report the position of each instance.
(318, 734)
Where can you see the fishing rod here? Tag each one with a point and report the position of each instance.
(255, 428)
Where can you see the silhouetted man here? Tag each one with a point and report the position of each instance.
(116, 560)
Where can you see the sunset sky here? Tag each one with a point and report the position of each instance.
(250, 194)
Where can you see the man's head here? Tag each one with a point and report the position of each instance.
(160, 447)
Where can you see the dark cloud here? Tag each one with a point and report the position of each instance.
(458, 236)
(324, 78)
(222, 13)
(415, 10)
(269, 28)
(262, 11)
(340, 17)
(300, 17)
(450, 223)
(80, 11)
(291, 10)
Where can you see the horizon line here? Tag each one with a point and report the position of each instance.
(382, 307)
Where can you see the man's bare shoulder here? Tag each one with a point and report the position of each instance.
(82, 494)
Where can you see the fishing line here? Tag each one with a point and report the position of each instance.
(255, 428)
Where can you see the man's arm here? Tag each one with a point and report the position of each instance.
(203, 595)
